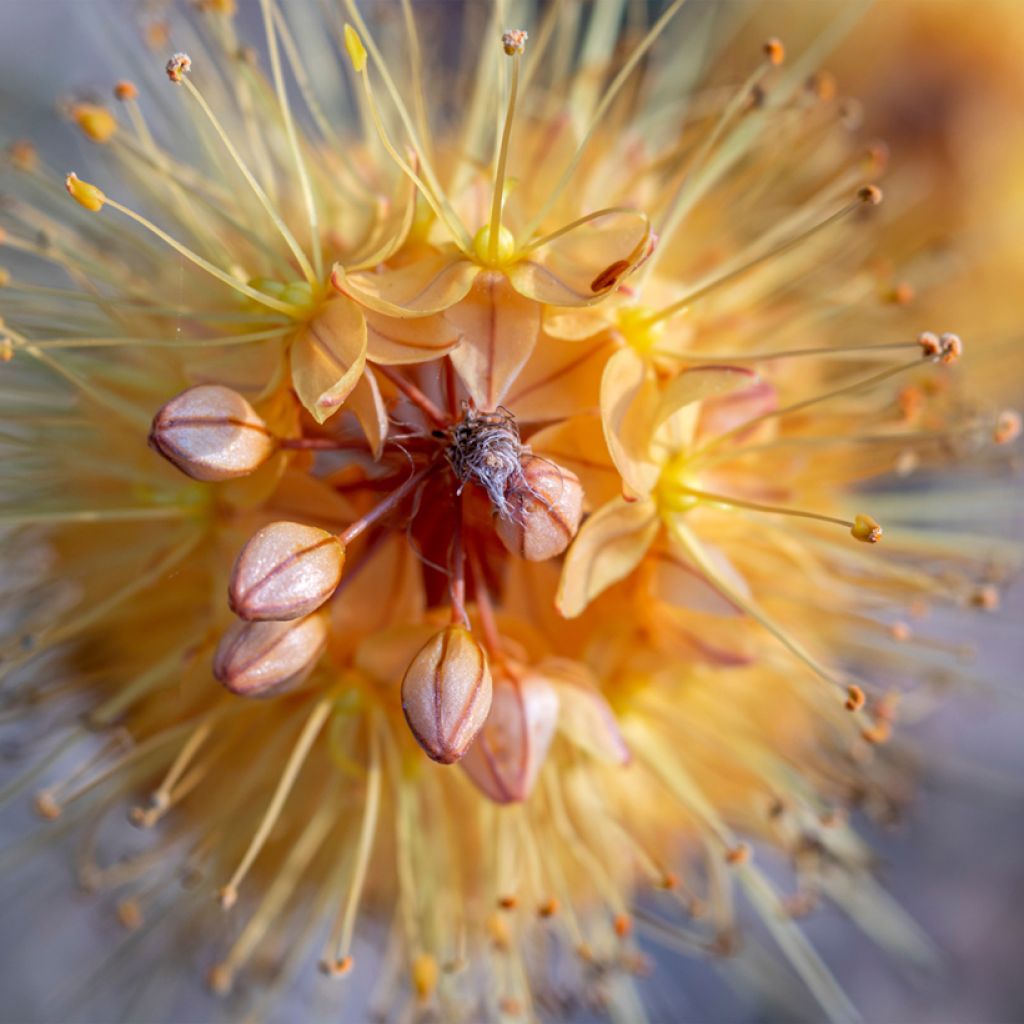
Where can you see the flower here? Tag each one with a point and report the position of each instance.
(389, 372)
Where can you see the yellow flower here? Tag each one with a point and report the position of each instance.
(493, 567)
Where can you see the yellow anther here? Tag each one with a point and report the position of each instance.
(356, 50)
(775, 51)
(98, 123)
(866, 529)
(85, 194)
(424, 976)
(506, 249)
(854, 697)
(125, 90)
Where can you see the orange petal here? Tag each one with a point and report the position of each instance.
(675, 418)
(574, 324)
(731, 411)
(434, 281)
(328, 356)
(578, 444)
(585, 717)
(583, 265)
(629, 399)
(508, 753)
(609, 546)
(498, 329)
(561, 379)
(367, 406)
(678, 582)
(393, 341)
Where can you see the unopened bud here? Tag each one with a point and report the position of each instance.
(507, 756)
(866, 529)
(545, 503)
(211, 433)
(83, 193)
(178, 66)
(98, 123)
(257, 659)
(446, 694)
(285, 571)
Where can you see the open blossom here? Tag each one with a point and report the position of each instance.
(505, 553)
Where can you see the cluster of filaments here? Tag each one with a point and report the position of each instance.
(465, 695)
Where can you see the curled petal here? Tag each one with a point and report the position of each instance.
(509, 750)
(585, 717)
(497, 329)
(393, 341)
(586, 262)
(629, 397)
(328, 356)
(367, 406)
(609, 546)
(675, 418)
(432, 282)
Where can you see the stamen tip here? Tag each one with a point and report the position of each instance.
(866, 529)
(83, 193)
(355, 49)
(1008, 427)
(774, 51)
(870, 195)
(178, 66)
(854, 697)
(125, 90)
(514, 42)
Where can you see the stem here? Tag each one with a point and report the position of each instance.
(485, 608)
(458, 574)
(388, 505)
(416, 396)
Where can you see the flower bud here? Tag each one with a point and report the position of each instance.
(545, 503)
(446, 694)
(211, 433)
(285, 571)
(507, 756)
(257, 659)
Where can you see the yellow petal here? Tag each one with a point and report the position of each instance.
(497, 329)
(561, 379)
(675, 419)
(328, 356)
(680, 583)
(629, 399)
(393, 341)
(609, 546)
(430, 283)
(583, 265)
(574, 324)
(367, 406)
(578, 444)
(731, 411)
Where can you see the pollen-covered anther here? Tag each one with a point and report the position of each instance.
(211, 433)
(256, 659)
(775, 51)
(900, 632)
(424, 976)
(337, 968)
(84, 194)
(178, 66)
(623, 925)
(125, 90)
(1008, 427)
(446, 694)
(548, 908)
(46, 806)
(902, 294)
(285, 571)
(985, 597)
(129, 914)
(951, 348)
(854, 697)
(823, 86)
(514, 41)
(96, 122)
(544, 504)
(866, 529)
(870, 195)
(738, 854)
(23, 155)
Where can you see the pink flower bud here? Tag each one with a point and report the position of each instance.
(211, 433)
(545, 504)
(285, 571)
(446, 694)
(507, 756)
(257, 659)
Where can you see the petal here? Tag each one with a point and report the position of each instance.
(393, 341)
(561, 379)
(389, 228)
(678, 582)
(585, 263)
(428, 283)
(328, 356)
(509, 751)
(585, 717)
(574, 324)
(609, 546)
(579, 445)
(629, 397)
(366, 404)
(675, 419)
(498, 329)
(720, 415)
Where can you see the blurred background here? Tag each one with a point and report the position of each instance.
(942, 81)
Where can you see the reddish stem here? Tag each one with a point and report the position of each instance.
(485, 608)
(388, 505)
(458, 577)
(416, 396)
(320, 443)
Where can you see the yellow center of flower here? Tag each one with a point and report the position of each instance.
(506, 248)
(673, 490)
(295, 293)
(637, 330)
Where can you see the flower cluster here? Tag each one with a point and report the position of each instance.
(516, 458)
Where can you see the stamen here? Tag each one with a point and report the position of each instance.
(514, 43)
(161, 795)
(794, 353)
(229, 893)
(870, 195)
(415, 395)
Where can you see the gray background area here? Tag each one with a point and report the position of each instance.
(957, 862)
